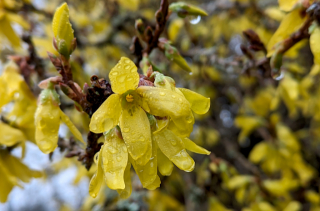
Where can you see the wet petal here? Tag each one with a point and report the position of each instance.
(97, 178)
(124, 76)
(155, 184)
(114, 159)
(9, 135)
(163, 102)
(147, 173)
(165, 166)
(71, 127)
(47, 121)
(183, 126)
(107, 116)
(172, 147)
(191, 146)
(199, 103)
(161, 125)
(126, 192)
(135, 128)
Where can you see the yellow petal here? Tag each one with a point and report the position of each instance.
(71, 127)
(161, 125)
(289, 24)
(7, 31)
(147, 173)
(20, 170)
(126, 192)
(124, 76)
(183, 126)
(199, 103)
(114, 159)
(314, 45)
(5, 183)
(47, 121)
(135, 128)
(172, 147)
(287, 5)
(155, 184)
(5, 97)
(18, 19)
(97, 178)
(165, 166)
(107, 116)
(163, 102)
(9, 135)
(191, 146)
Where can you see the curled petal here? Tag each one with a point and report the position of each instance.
(173, 147)
(107, 116)
(9, 135)
(199, 103)
(71, 127)
(124, 76)
(126, 192)
(114, 159)
(135, 128)
(163, 102)
(47, 121)
(147, 173)
(97, 178)
(191, 146)
(165, 166)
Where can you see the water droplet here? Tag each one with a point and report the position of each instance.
(173, 142)
(180, 99)
(126, 129)
(51, 117)
(119, 66)
(133, 70)
(114, 73)
(196, 20)
(162, 93)
(173, 96)
(189, 119)
(121, 78)
(127, 67)
(124, 148)
(119, 158)
(129, 79)
(112, 149)
(127, 61)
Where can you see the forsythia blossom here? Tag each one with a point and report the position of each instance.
(47, 121)
(146, 127)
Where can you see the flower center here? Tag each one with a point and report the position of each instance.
(129, 98)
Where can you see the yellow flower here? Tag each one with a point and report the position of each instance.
(114, 164)
(12, 171)
(47, 121)
(128, 107)
(154, 122)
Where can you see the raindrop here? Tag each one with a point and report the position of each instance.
(196, 20)
(126, 129)
(162, 93)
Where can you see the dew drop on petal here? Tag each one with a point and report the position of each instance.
(126, 129)
(162, 93)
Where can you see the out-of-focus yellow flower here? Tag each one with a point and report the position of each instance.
(47, 121)
(12, 171)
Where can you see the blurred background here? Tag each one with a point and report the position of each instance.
(262, 131)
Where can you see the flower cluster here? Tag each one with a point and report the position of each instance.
(146, 127)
